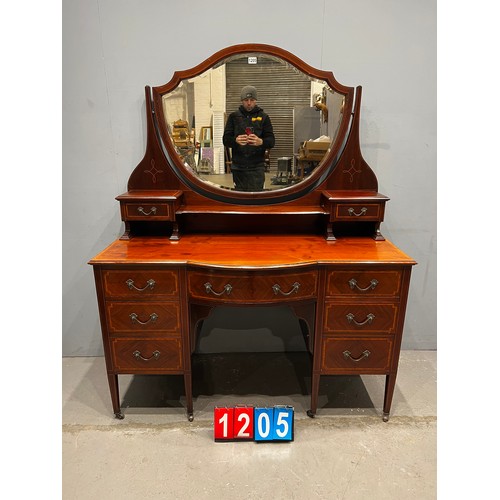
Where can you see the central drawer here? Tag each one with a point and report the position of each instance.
(252, 287)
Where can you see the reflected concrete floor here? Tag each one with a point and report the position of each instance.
(345, 452)
(273, 180)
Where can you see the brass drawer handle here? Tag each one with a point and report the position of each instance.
(369, 318)
(227, 289)
(135, 318)
(151, 212)
(352, 212)
(347, 355)
(138, 355)
(354, 284)
(277, 289)
(149, 284)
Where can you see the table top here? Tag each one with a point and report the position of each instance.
(251, 251)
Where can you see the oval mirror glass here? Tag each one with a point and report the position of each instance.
(305, 114)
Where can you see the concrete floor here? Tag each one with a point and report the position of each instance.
(345, 452)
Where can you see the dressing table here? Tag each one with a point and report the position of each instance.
(192, 243)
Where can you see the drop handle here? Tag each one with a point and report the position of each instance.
(348, 355)
(135, 318)
(362, 211)
(149, 284)
(368, 320)
(138, 355)
(277, 289)
(226, 290)
(151, 212)
(353, 283)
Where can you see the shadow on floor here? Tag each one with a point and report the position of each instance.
(239, 374)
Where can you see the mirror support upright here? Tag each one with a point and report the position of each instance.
(169, 198)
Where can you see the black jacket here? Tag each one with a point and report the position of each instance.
(244, 157)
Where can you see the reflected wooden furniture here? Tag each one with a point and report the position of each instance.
(189, 247)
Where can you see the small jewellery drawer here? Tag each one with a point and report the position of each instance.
(143, 211)
(364, 211)
(364, 283)
(136, 284)
(360, 318)
(143, 317)
(147, 355)
(242, 287)
(346, 355)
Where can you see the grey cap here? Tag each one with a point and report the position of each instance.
(248, 92)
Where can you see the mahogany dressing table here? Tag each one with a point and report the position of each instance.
(192, 243)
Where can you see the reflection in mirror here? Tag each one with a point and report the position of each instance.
(305, 113)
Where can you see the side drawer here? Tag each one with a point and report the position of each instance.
(233, 287)
(376, 283)
(152, 355)
(147, 211)
(360, 318)
(143, 317)
(350, 355)
(359, 211)
(137, 284)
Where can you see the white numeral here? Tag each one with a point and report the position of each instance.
(223, 420)
(242, 433)
(281, 421)
(263, 416)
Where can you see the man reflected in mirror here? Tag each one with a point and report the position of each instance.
(249, 133)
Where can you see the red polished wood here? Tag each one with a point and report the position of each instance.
(192, 202)
(315, 247)
(257, 251)
(352, 172)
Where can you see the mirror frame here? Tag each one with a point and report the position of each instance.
(288, 193)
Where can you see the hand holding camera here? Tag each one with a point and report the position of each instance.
(249, 138)
(252, 139)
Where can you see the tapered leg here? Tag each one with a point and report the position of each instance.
(115, 395)
(314, 395)
(390, 383)
(189, 395)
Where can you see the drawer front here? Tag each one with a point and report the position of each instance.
(360, 318)
(143, 317)
(346, 355)
(364, 283)
(226, 287)
(152, 355)
(147, 211)
(137, 284)
(359, 211)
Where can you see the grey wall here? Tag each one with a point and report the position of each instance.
(113, 48)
